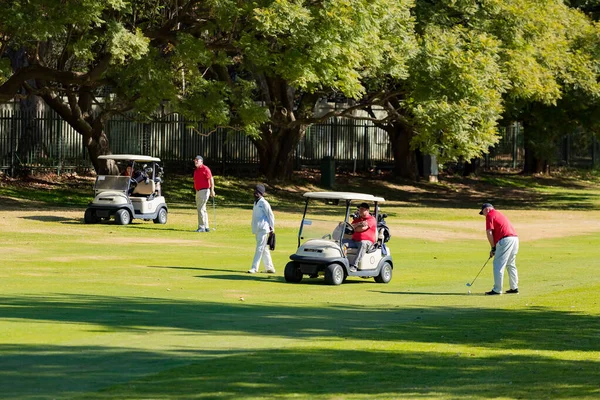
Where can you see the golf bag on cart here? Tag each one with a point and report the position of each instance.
(383, 233)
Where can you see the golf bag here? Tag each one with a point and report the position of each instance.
(382, 226)
(271, 241)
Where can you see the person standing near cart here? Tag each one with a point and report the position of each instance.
(505, 246)
(263, 223)
(204, 184)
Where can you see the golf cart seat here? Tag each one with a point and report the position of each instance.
(380, 239)
(144, 188)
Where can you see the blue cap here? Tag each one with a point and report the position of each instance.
(484, 206)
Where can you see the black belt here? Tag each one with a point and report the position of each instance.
(507, 236)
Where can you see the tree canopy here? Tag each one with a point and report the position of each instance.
(483, 62)
(445, 72)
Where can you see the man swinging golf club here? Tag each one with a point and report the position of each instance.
(505, 246)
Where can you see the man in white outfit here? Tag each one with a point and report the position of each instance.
(263, 223)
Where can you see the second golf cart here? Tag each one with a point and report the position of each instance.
(136, 193)
(324, 253)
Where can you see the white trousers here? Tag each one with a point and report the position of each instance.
(201, 200)
(262, 252)
(505, 257)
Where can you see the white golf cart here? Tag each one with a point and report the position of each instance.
(125, 197)
(324, 252)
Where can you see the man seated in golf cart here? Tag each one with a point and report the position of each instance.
(128, 170)
(364, 235)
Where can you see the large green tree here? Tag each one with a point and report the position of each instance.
(257, 66)
(297, 52)
(479, 62)
(90, 60)
(68, 49)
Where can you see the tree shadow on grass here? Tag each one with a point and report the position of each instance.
(367, 374)
(232, 271)
(490, 367)
(532, 328)
(51, 218)
(428, 293)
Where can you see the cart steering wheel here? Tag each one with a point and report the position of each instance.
(348, 228)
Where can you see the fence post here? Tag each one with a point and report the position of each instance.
(594, 151)
(515, 130)
(568, 149)
(146, 139)
(366, 148)
(59, 144)
(12, 144)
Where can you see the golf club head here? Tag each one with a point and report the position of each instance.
(468, 284)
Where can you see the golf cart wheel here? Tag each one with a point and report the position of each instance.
(122, 217)
(161, 218)
(334, 274)
(90, 217)
(292, 273)
(385, 275)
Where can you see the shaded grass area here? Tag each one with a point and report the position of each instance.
(576, 190)
(352, 352)
(361, 374)
(532, 328)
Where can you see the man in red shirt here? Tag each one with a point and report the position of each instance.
(365, 233)
(204, 184)
(505, 246)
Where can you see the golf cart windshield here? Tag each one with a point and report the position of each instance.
(112, 182)
(320, 223)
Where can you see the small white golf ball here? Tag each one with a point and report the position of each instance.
(469, 292)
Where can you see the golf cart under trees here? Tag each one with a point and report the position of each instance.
(125, 197)
(323, 252)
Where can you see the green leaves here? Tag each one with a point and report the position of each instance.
(332, 45)
(457, 97)
(480, 61)
(124, 45)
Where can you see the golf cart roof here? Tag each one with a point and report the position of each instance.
(129, 157)
(343, 196)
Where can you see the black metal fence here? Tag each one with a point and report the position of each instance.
(42, 140)
(577, 149)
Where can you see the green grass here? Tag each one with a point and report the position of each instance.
(159, 312)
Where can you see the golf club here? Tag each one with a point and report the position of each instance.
(215, 214)
(471, 284)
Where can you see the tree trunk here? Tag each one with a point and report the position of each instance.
(405, 159)
(97, 145)
(275, 147)
(280, 136)
(471, 167)
(533, 164)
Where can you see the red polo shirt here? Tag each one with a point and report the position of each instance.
(370, 233)
(202, 177)
(499, 224)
